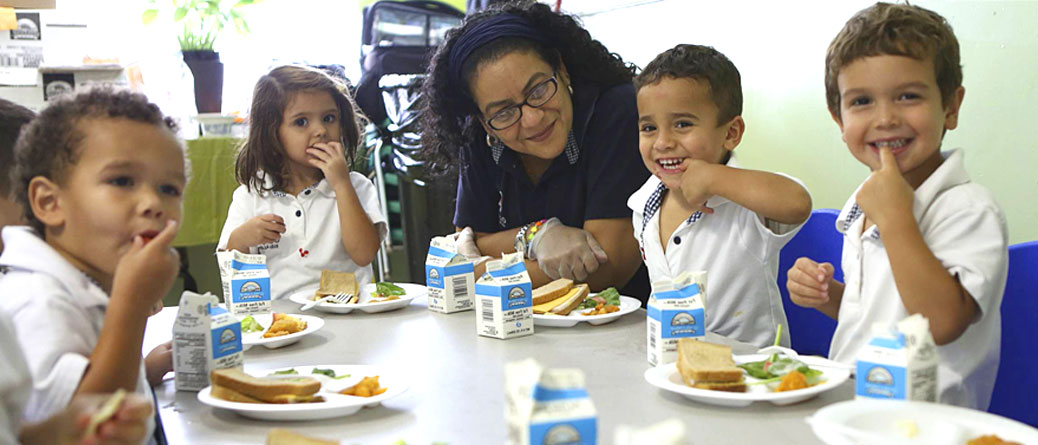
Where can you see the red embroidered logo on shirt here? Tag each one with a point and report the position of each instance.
(303, 253)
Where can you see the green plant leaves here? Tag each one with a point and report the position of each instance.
(202, 20)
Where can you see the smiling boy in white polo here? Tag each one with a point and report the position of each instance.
(726, 220)
(919, 236)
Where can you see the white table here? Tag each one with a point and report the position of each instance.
(456, 380)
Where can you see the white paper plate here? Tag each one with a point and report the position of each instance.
(413, 291)
(335, 405)
(667, 377)
(881, 421)
(248, 340)
(627, 305)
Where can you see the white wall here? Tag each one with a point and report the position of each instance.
(779, 48)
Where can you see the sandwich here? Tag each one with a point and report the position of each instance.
(233, 385)
(566, 303)
(333, 282)
(552, 290)
(709, 366)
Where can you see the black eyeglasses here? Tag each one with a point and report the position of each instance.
(539, 95)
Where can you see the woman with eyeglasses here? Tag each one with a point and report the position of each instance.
(540, 122)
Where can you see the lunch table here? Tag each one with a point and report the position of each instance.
(456, 389)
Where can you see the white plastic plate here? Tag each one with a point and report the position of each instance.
(248, 340)
(364, 304)
(334, 405)
(667, 378)
(887, 421)
(627, 305)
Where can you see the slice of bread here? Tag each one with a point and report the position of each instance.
(268, 390)
(333, 282)
(578, 292)
(551, 291)
(722, 386)
(230, 395)
(708, 366)
(279, 436)
(574, 298)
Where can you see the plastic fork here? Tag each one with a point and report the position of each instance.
(342, 297)
(311, 304)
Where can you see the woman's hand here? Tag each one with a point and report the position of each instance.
(257, 230)
(331, 159)
(566, 252)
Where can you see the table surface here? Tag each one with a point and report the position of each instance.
(456, 380)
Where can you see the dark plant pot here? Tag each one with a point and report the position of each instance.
(208, 73)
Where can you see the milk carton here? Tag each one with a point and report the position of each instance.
(205, 337)
(448, 277)
(548, 406)
(246, 282)
(675, 310)
(899, 365)
(504, 298)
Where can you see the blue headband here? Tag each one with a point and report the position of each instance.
(484, 32)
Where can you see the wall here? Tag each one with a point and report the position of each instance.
(779, 48)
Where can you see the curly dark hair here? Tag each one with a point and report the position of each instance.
(701, 63)
(48, 145)
(897, 30)
(449, 117)
(262, 150)
(12, 118)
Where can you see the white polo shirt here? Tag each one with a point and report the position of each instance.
(737, 248)
(312, 240)
(57, 312)
(966, 230)
(15, 382)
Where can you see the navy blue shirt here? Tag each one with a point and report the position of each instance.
(592, 179)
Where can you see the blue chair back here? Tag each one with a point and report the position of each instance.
(1016, 385)
(811, 331)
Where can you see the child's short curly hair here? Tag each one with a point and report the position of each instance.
(48, 145)
(700, 63)
(897, 30)
(12, 118)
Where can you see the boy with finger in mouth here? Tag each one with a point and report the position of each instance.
(919, 236)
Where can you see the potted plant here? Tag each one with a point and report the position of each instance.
(202, 20)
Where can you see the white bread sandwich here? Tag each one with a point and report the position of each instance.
(333, 282)
(233, 385)
(709, 366)
(552, 290)
(566, 303)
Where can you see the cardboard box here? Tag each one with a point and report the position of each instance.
(548, 406)
(901, 365)
(449, 277)
(676, 310)
(504, 298)
(205, 337)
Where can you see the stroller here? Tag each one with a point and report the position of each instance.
(398, 40)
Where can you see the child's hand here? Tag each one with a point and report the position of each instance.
(127, 426)
(257, 230)
(885, 194)
(808, 282)
(695, 185)
(148, 270)
(158, 362)
(331, 159)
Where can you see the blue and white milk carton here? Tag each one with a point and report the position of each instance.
(246, 283)
(205, 337)
(548, 406)
(504, 299)
(448, 277)
(675, 310)
(899, 365)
